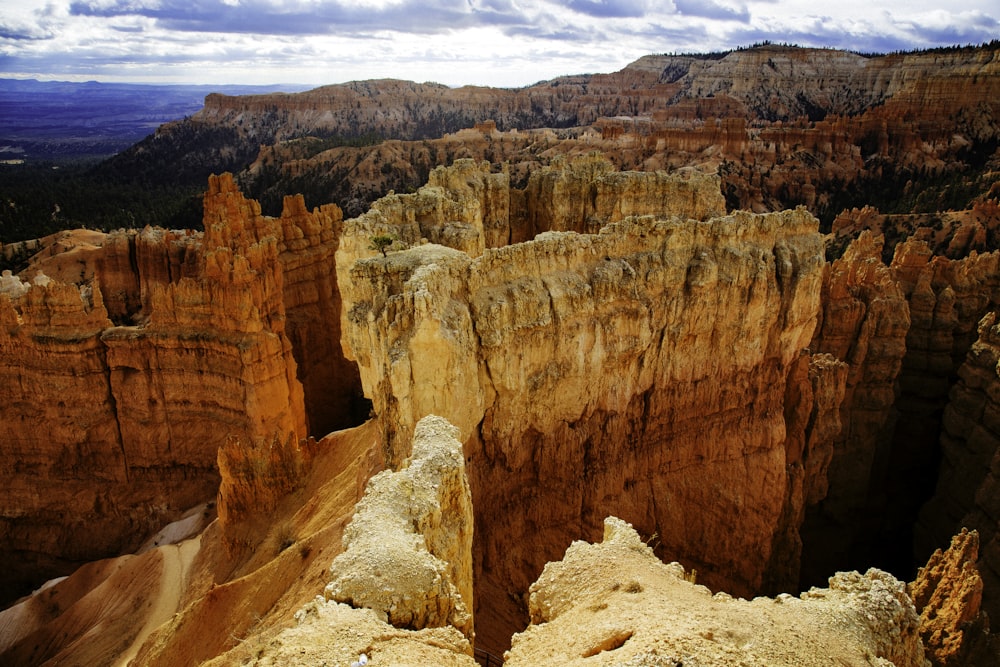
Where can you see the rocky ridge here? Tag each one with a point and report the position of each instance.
(786, 126)
(613, 400)
(615, 603)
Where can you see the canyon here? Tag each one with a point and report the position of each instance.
(569, 391)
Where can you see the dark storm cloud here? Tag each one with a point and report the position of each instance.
(824, 32)
(608, 9)
(707, 9)
(262, 17)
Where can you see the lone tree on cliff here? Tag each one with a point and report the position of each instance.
(381, 243)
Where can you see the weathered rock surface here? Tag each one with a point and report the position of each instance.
(337, 634)
(966, 490)
(786, 126)
(408, 549)
(769, 82)
(142, 408)
(951, 234)
(863, 322)
(578, 370)
(182, 601)
(410, 534)
(615, 603)
(948, 595)
(708, 377)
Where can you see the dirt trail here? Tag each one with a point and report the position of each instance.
(177, 560)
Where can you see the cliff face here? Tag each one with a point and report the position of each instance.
(821, 128)
(827, 356)
(965, 493)
(579, 370)
(200, 359)
(709, 377)
(864, 320)
(766, 83)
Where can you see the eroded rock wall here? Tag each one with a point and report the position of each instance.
(583, 373)
(966, 489)
(864, 320)
(584, 194)
(109, 431)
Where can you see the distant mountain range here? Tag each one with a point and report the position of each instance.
(59, 120)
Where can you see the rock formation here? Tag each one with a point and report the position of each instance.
(193, 355)
(965, 493)
(408, 550)
(334, 633)
(614, 602)
(863, 323)
(607, 404)
(948, 595)
(603, 341)
(186, 597)
(785, 126)
(769, 82)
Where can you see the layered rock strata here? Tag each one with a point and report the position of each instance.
(614, 602)
(768, 82)
(582, 372)
(142, 408)
(786, 126)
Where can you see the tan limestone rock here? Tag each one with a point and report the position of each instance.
(615, 603)
(408, 550)
(578, 370)
(332, 633)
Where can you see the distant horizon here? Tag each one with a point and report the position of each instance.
(496, 43)
(292, 87)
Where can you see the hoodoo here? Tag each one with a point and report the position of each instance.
(555, 404)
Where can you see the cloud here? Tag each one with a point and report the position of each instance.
(307, 18)
(490, 42)
(942, 27)
(872, 34)
(709, 9)
(22, 33)
(608, 8)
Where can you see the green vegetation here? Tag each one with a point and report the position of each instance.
(40, 199)
(381, 243)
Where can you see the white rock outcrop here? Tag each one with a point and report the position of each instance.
(408, 550)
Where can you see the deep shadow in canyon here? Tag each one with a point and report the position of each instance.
(763, 403)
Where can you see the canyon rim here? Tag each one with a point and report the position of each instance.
(627, 351)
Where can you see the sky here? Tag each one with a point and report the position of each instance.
(507, 43)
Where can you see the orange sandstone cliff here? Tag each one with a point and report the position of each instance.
(708, 377)
(195, 350)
